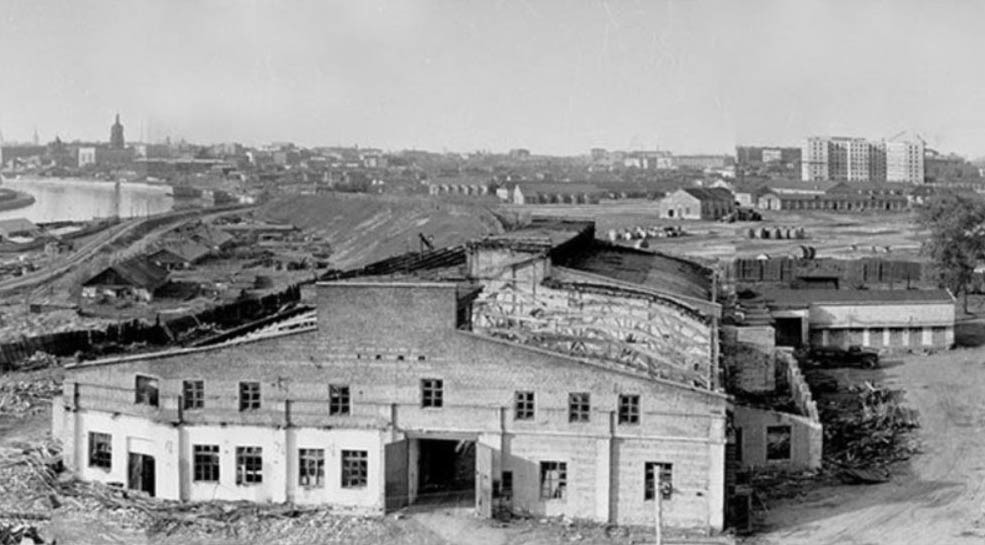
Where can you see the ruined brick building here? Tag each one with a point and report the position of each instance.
(540, 370)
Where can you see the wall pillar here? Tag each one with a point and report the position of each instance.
(603, 473)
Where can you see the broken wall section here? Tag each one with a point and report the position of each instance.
(748, 356)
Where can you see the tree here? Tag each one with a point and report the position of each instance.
(957, 238)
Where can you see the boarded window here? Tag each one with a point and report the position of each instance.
(629, 409)
(249, 396)
(553, 480)
(523, 404)
(311, 467)
(338, 399)
(778, 442)
(206, 463)
(432, 392)
(354, 468)
(146, 391)
(579, 407)
(193, 394)
(100, 450)
(650, 470)
(249, 465)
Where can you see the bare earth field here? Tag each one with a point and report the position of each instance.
(833, 234)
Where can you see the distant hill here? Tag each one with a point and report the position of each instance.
(367, 228)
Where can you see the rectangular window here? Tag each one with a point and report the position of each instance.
(354, 467)
(249, 465)
(193, 394)
(738, 444)
(579, 407)
(629, 409)
(206, 463)
(666, 480)
(146, 391)
(523, 403)
(553, 480)
(249, 396)
(778, 442)
(338, 399)
(100, 450)
(432, 392)
(311, 467)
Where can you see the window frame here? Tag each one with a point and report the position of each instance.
(250, 400)
(355, 468)
(146, 390)
(249, 466)
(579, 407)
(772, 456)
(311, 467)
(666, 480)
(553, 487)
(524, 405)
(195, 401)
(432, 393)
(339, 400)
(206, 465)
(101, 458)
(628, 412)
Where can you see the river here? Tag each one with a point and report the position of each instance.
(62, 199)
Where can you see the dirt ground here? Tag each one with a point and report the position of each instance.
(849, 235)
(940, 497)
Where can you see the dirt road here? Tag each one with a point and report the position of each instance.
(943, 497)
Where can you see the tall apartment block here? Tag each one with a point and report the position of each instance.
(860, 160)
(904, 161)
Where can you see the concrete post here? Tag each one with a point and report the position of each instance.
(657, 507)
(290, 455)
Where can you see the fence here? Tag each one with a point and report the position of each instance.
(849, 272)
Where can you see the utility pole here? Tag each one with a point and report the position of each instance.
(657, 506)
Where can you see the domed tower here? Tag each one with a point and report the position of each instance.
(116, 135)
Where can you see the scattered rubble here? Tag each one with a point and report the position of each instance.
(25, 397)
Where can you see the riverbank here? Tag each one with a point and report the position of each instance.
(11, 199)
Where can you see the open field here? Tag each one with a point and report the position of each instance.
(362, 228)
(850, 235)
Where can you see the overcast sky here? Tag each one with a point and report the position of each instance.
(553, 76)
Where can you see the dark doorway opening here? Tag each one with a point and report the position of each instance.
(140, 469)
(446, 472)
(789, 331)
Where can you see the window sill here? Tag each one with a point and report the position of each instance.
(360, 487)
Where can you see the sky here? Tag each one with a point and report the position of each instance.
(553, 76)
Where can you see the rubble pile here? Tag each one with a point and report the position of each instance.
(869, 429)
(19, 534)
(26, 397)
(34, 487)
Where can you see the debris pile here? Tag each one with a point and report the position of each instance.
(33, 486)
(869, 429)
(23, 397)
(19, 534)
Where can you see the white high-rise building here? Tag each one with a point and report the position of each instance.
(904, 161)
(859, 160)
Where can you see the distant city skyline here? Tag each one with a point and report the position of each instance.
(555, 77)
